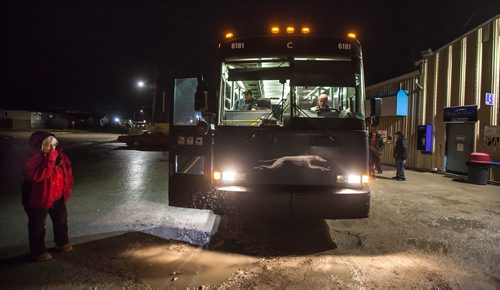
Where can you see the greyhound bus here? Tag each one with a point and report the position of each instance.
(284, 154)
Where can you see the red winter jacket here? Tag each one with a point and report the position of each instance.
(50, 180)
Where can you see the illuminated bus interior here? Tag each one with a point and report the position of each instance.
(285, 89)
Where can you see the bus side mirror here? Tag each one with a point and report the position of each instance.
(375, 106)
(201, 96)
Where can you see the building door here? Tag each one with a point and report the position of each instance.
(459, 145)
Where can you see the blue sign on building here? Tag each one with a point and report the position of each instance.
(488, 99)
(402, 103)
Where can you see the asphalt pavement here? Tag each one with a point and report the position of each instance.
(116, 190)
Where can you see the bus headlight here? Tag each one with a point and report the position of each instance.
(227, 176)
(365, 178)
(354, 179)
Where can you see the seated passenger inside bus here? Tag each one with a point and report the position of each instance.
(246, 103)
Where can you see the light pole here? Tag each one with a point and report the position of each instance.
(152, 88)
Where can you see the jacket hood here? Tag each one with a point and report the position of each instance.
(36, 139)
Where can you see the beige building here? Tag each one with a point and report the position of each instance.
(455, 92)
(19, 120)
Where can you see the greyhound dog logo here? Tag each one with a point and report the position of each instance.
(298, 160)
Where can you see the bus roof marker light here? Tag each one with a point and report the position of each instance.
(290, 29)
(229, 35)
(351, 35)
(305, 30)
(275, 29)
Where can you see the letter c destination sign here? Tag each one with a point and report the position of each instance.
(289, 44)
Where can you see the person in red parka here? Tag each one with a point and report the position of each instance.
(47, 186)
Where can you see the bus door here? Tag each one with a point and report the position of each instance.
(190, 155)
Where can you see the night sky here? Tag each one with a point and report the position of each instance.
(87, 55)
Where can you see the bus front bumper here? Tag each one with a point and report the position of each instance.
(295, 202)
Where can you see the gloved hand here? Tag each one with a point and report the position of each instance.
(52, 156)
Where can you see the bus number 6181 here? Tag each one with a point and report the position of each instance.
(237, 45)
(345, 46)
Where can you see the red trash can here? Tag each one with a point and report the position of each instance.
(478, 168)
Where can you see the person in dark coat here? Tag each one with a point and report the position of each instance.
(47, 186)
(400, 154)
(376, 146)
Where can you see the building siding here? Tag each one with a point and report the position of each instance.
(457, 74)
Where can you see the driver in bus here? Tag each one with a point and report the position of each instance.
(322, 104)
(246, 103)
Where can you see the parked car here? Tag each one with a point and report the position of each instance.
(145, 139)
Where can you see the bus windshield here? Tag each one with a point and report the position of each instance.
(272, 91)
